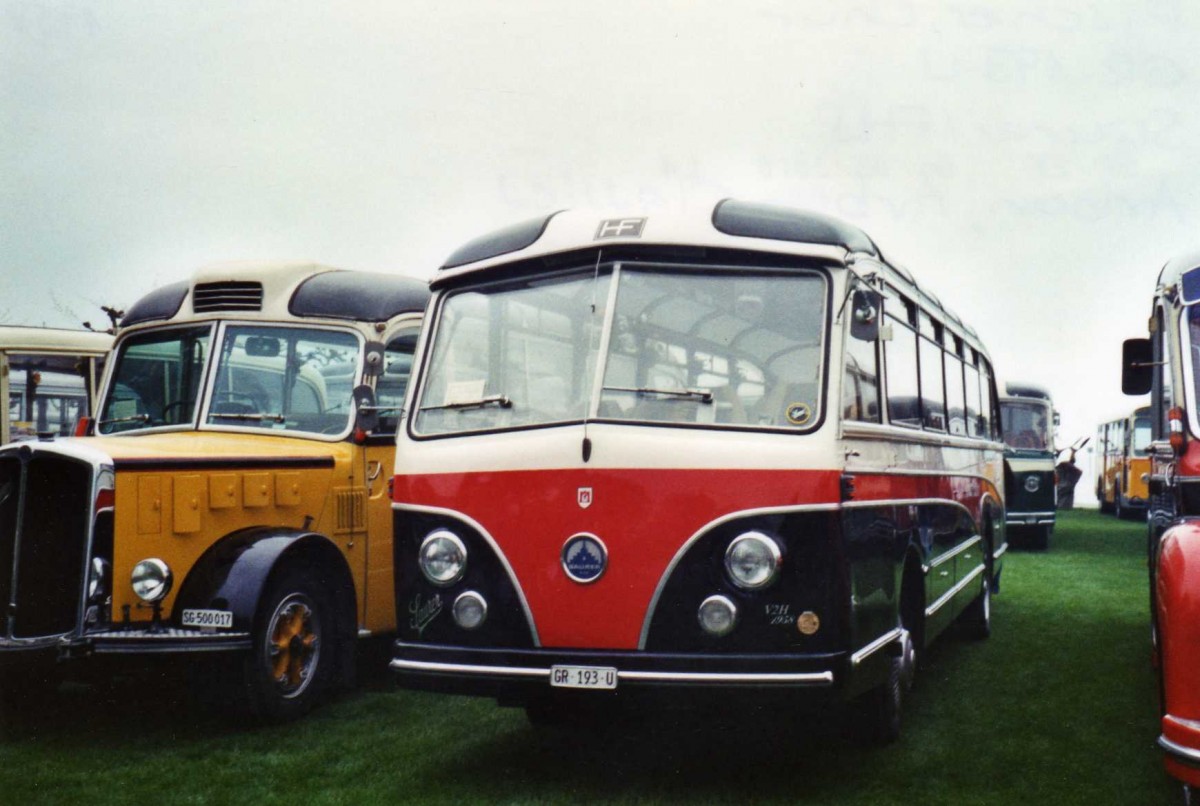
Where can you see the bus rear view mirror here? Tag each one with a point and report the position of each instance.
(865, 306)
(1137, 364)
(366, 418)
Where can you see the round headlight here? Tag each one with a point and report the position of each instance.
(717, 615)
(1032, 483)
(443, 557)
(98, 579)
(469, 609)
(753, 560)
(151, 580)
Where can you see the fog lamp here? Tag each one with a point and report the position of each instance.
(752, 560)
(151, 580)
(443, 557)
(717, 615)
(469, 609)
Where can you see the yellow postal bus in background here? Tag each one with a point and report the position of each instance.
(49, 378)
(1123, 464)
(233, 499)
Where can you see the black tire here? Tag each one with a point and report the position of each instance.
(1118, 510)
(1039, 537)
(875, 716)
(295, 648)
(976, 620)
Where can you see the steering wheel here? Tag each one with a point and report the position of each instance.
(172, 405)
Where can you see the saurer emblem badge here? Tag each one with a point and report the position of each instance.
(584, 497)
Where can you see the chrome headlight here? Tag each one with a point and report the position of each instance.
(717, 615)
(99, 579)
(752, 560)
(151, 580)
(443, 557)
(469, 610)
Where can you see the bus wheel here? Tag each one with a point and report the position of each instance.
(875, 716)
(977, 618)
(291, 663)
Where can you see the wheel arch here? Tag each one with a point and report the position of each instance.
(235, 571)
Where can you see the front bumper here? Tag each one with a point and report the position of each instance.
(1029, 518)
(1180, 740)
(132, 641)
(524, 673)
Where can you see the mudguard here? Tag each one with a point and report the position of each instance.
(233, 574)
(1178, 611)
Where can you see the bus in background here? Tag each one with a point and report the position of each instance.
(729, 449)
(232, 504)
(1123, 464)
(48, 378)
(1027, 418)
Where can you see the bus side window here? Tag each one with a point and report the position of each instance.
(974, 426)
(988, 425)
(860, 384)
(900, 355)
(933, 399)
(391, 386)
(955, 402)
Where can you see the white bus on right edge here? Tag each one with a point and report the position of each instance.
(686, 454)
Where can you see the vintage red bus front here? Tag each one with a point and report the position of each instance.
(628, 461)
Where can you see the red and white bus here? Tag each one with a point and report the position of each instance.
(731, 448)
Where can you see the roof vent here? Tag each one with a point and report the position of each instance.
(227, 296)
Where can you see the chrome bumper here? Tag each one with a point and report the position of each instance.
(628, 675)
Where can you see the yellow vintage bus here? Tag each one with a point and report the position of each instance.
(232, 498)
(1123, 464)
(49, 378)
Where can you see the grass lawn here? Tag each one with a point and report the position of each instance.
(1058, 707)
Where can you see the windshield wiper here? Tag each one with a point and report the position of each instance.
(133, 418)
(699, 395)
(275, 418)
(502, 401)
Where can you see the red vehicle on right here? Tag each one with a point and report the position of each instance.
(1167, 366)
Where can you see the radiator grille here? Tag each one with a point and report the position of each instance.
(228, 296)
(51, 502)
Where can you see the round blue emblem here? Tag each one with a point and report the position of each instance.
(584, 558)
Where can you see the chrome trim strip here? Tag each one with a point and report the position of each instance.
(807, 678)
(476, 525)
(1185, 754)
(1000, 552)
(950, 594)
(876, 645)
(954, 552)
(898, 433)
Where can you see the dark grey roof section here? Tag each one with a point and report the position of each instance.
(512, 238)
(752, 220)
(1020, 389)
(161, 303)
(357, 295)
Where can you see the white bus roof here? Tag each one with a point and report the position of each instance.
(280, 290)
(729, 224)
(46, 339)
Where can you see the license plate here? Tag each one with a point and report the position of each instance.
(207, 618)
(601, 677)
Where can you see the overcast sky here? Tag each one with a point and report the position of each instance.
(1032, 164)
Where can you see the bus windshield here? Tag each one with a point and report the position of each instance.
(1026, 424)
(710, 348)
(156, 380)
(1140, 441)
